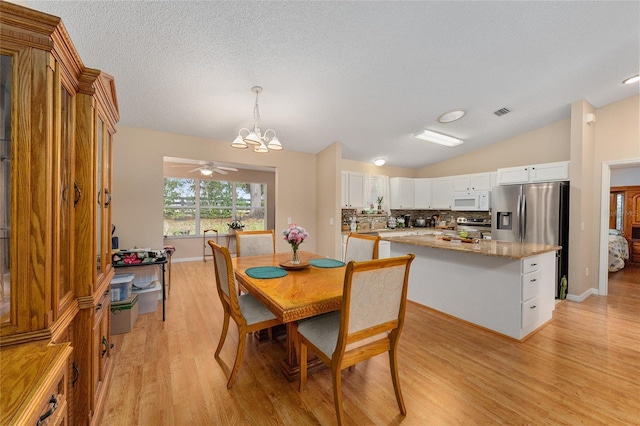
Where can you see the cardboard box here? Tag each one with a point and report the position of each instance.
(148, 297)
(124, 315)
(121, 287)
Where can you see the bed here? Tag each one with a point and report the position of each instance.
(618, 250)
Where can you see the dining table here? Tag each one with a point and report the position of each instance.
(305, 291)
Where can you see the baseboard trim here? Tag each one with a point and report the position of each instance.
(583, 296)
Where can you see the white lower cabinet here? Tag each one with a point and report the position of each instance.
(513, 297)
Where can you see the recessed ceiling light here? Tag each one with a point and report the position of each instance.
(430, 136)
(451, 116)
(379, 161)
(632, 80)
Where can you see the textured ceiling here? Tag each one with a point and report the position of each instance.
(366, 74)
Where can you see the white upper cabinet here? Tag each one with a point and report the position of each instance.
(402, 193)
(547, 172)
(441, 192)
(472, 182)
(352, 190)
(422, 193)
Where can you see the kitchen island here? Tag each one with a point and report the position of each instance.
(505, 287)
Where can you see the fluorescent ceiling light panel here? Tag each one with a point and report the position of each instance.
(430, 136)
(632, 80)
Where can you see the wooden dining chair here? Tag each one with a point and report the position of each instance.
(255, 243)
(247, 312)
(361, 247)
(368, 323)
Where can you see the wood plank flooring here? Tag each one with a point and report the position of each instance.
(582, 368)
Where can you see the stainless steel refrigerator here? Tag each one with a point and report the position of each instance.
(534, 213)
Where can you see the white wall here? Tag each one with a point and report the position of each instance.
(138, 183)
(625, 177)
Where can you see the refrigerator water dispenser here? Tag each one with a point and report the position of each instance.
(504, 220)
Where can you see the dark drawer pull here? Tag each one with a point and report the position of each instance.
(98, 307)
(54, 405)
(534, 264)
(532, 307)
(76, 374)
(105, 343)
(76, 188)
(533, 280)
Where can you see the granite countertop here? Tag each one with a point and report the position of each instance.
(485, 247)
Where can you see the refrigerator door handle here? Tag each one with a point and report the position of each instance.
(519, 218)
(523, 234)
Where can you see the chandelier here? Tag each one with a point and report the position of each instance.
(262, 143)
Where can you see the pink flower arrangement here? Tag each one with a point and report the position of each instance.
(295, 235)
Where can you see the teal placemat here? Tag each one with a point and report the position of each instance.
(323, 262)
(266, 272)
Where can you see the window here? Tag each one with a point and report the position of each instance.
(192, 206)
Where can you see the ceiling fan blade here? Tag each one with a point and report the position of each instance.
(222, 172)
(194, 170)
(231, 169)
(184, 165)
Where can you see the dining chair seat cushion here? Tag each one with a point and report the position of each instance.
(253, 310)
(322, 332)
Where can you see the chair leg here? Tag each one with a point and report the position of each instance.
(242, 340)
(393, 365)
(337, 393)
(303, 366)
(223, 334)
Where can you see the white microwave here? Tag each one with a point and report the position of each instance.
(471, 201)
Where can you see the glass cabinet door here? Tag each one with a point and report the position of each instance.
(100, 134)
(5, 187)
(65, 198)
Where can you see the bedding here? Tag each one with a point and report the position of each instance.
(618, 252)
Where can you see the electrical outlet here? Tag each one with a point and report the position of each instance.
(330, 221)
(289, 221)
(587, 272)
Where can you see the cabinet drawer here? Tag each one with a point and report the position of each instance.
(530, 264)
(531, 285)
(530, 312)
(53, 409)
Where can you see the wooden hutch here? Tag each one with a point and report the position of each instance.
(57, 122)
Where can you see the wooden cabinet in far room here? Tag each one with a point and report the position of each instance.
(632, 228)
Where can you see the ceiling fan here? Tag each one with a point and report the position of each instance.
(207, 169)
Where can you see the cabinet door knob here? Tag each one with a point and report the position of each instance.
(532, 307)
(76, 374)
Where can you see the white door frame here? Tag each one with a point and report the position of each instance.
(603, 279)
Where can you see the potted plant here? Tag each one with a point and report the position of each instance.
(379, 201)
(235, 225)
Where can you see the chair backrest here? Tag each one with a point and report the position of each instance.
(225, 278)
(374, 299)
(361, 247)
(255, 243)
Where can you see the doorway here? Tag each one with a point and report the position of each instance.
(607, 167)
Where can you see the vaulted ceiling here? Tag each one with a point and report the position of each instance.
(366, 74)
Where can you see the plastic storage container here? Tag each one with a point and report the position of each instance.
(143, 275)
(148, 297)
(124, 315)
(121, 287)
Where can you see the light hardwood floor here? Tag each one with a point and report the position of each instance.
(582, 368)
